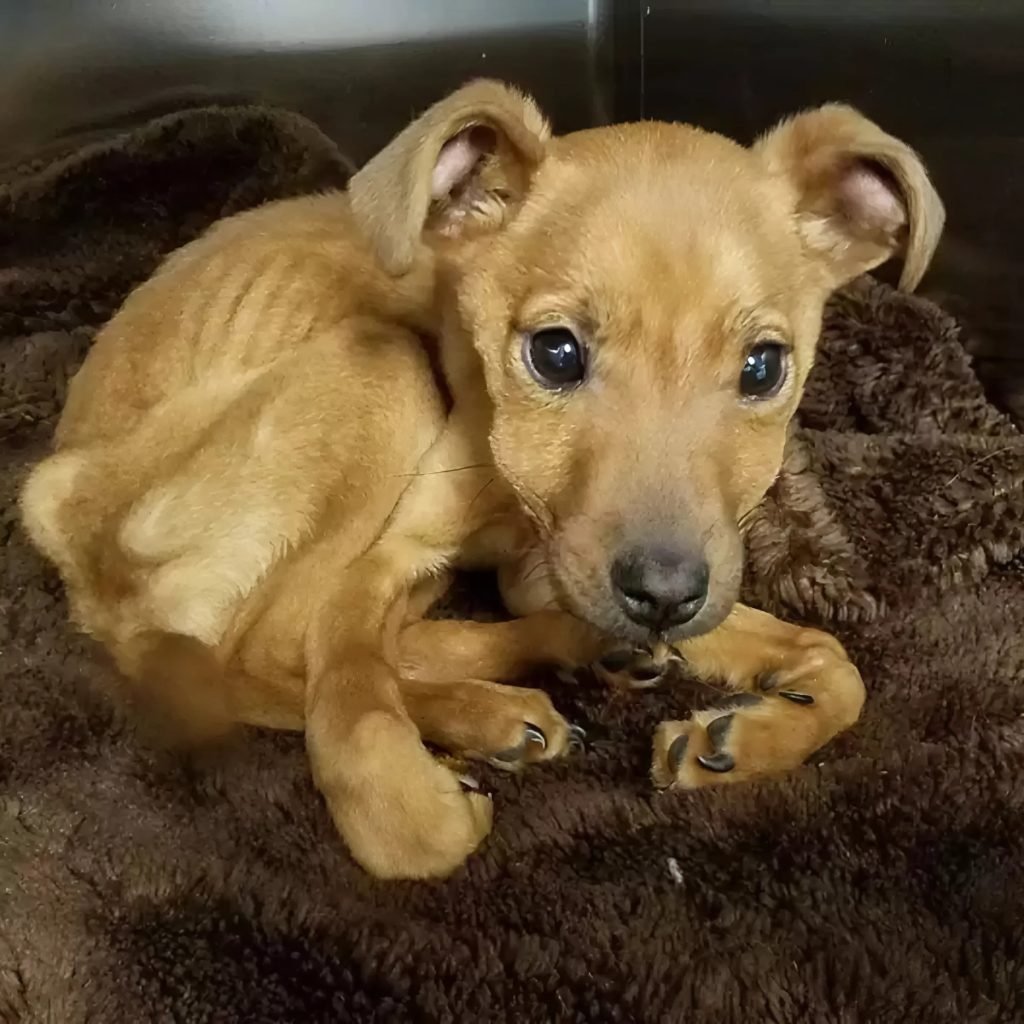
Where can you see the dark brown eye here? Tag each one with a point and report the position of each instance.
(764, 370)
(554, 357)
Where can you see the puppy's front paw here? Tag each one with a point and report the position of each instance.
(508, 726)
(815, 693)
(538, 731)
(636, 668)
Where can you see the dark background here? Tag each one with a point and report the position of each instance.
(946, 75)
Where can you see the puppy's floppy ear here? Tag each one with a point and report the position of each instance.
(462, 167)
(860, 195)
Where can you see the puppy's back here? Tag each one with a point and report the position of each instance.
(226, 306)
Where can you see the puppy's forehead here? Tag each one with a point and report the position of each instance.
(684, 218)
(643, 141)
(662, 170)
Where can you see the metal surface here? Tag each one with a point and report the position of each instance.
(359, 69)
(943, 74)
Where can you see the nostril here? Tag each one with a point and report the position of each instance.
(638, 594)
(686, 609)
(631, 581)
(697, 593)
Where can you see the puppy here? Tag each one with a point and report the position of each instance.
(573, 359)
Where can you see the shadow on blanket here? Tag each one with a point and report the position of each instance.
(883, 882)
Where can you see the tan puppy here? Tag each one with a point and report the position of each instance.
(571, 358)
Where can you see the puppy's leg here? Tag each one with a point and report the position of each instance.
(799, 689)
(402, 814)
(445, 650)
(444, 665)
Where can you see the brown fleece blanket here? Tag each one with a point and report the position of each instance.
(882, 882)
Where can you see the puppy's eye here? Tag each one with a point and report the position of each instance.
(764, 370)
(554, 357)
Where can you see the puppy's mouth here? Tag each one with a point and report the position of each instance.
(588, 594)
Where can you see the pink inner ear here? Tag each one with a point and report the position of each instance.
(869, 199)
(458, 156)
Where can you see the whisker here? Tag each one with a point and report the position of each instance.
(976, 463)
(479, 493)
(540, 566)
(453, 469)
(747, 516)
(535, 509)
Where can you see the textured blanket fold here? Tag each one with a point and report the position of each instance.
(882, 882)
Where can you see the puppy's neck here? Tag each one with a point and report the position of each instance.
(457, 356)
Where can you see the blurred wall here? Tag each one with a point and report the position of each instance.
(360, 68)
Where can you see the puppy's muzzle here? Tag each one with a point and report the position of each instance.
(660, 588)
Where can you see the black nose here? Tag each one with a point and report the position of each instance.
(658, 587)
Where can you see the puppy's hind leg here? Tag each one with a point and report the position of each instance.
(402, 813)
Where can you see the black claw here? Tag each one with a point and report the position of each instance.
(617, 660)
(677, 751)
(720, 762)
(577, 738)
(534, 735)
(718, 731)
(471, 785)
(512, 756)
(744, 700)
(646, 673)
(767, 681)
(797, 698)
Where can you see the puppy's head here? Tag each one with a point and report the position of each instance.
(646, 300)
